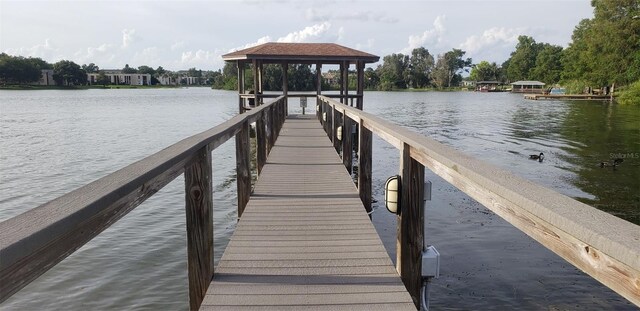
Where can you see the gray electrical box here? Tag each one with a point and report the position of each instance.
(427, 190)
(430, 262)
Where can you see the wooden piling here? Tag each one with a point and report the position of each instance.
(199, 212)
(410, 236)
(243, 169)
(364, 166)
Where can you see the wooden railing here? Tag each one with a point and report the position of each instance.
(35, 241)
(602, 245)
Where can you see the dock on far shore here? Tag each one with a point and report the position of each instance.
(568, 96)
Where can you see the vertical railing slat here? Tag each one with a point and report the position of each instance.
(410, 236)
(261, 152)
(243, 169)
(364, 166)
(347, 143)
(199, 212)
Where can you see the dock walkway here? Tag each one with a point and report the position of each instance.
(304, 240)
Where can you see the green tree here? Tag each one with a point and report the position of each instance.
(449, 67)
(128, 69)
(66, 72)
(604, 49)
(91, 68)
(392, 72)
(272, 77)
(146, 70)
(102, 78)
(421, 65)
(485, 71)
(548, 65)
(19, 70)
(160, 71)
(523, 59)
(371, 79)
(301, 78)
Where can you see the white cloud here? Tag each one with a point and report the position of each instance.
(128, 37)
(306, 34)
(341, 34)
(96, 55)
(434, 36)
(149, 56)
(262, 40)
(47, 51)
(178, 45)
(316, 15)
(491, 37)
(493, 44)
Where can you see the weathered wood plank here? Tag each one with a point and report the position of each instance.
(347, 143)
(365, 150)
(334, 307)
(411, 225)
(199, 212)
(231, 288)
(303, 299)
(307, 256)
(261, 143)
(243, 169)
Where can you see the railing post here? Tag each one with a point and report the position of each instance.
(261, 143)
(322, 116)
(347, 143)
(337, 121)
(273, 125)
(199, 212)
(330, 122)
(364, 166)
(243, 169)
(410, 243)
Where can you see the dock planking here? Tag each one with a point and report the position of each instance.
(305, 241)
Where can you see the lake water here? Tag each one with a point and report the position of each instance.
(55, 141)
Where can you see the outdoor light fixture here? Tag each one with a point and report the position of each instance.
(392, 194)
(324, 116)
(339, 133)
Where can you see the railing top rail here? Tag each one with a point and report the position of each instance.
(499, 189)
(83, 213)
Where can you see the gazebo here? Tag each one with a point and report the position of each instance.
(317, 54)
(527, 87)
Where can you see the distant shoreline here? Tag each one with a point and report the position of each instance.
(87, 87)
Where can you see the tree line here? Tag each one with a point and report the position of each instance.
(16, 70)
(604, 50)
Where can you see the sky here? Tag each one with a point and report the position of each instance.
(184, 34)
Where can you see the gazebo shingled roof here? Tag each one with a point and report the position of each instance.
(284, 54)
(304, 52)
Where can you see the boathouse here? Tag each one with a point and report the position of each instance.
(527, 87)
(487, 86)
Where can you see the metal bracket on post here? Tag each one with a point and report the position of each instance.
(427, 190)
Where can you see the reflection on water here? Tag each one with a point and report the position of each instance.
(487, 264)
(504, 129)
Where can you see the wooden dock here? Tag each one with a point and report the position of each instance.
(567, 96)
(304, 240)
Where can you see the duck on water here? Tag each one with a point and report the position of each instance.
(614, 163)
(538, 157)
